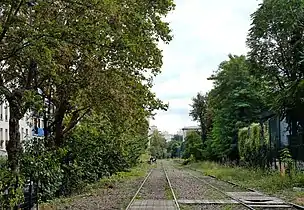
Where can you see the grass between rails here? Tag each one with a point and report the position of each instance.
(269, 182)
(168, 193)
(137, 172)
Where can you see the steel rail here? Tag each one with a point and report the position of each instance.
(224, 193)
(142, 184)
(172, 191)
(252, 190)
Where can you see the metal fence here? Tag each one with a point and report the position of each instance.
(295, 145)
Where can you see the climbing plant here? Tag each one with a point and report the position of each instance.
(253, 145)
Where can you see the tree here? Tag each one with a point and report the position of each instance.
(276, 46)
(235, 101)
(69, 49)
(174, 146)
(157, 145)
(193, 146)
(199, 112)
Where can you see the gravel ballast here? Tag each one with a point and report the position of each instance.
(116, 196)
(155, 186)
(188, 187)
(212, 207)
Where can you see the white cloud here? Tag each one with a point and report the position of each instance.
(205, 32)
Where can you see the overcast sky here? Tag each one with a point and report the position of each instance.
(205, 32)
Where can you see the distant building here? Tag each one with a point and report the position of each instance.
(187, 129)
(29, 126)
(151, 131)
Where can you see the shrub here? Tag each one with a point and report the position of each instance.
(43, 166)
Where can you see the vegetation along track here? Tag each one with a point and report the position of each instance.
(155, 192)
(248, 198)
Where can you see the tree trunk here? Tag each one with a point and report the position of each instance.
(14, 148)
(59, 116)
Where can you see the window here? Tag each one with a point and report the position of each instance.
(22, 132)
(6, 113)
(1, 138)
(1, 112)
(6, 134)
(1, 134)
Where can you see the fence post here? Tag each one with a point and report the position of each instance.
(16, 187)
(30, 193)
(37, 195)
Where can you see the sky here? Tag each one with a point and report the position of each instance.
(205, 32)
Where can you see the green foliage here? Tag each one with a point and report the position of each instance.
(234, 102)
(44, 166)
(199, 113)
(253, 146)
(82, 56)
(86, 58)
(11, 188)
(174, 146)
(286, 158)
(276, 51)
(157, 145)
(189, 160)
(193, 146)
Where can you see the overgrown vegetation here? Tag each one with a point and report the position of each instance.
(193, 146)
(158, 147)
(174, 147)
(270, 182)
(134, 173)
(254, 146)
(250, 89)
(86, 68)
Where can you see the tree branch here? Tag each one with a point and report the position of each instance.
(75, 119)
(4, 90)
(7, 22)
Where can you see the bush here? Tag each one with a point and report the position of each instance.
(193, 146)
(11, 188)
(43, 166)
(189, 160)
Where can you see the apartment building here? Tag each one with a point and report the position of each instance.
(29, 126)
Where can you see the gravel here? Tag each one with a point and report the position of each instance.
(116, 196)
(212, 207)
(224, 186)
(155, 186)
(188, 187)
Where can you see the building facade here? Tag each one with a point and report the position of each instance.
(29, 126)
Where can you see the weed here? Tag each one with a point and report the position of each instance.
(168, 193)
(270, 182)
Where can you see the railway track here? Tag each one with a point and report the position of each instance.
(153, 204)
(249, 204)
(231, 194)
